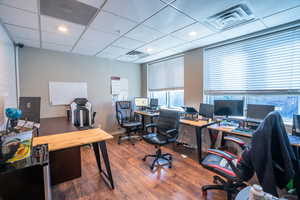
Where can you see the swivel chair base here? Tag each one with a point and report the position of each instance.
(129, 137)
(230, 187)
(159, 156)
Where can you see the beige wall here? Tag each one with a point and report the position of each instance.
(144, 81)
(193, 78)
(38, 67)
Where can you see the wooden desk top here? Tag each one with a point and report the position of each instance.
(150, 114)
(72, 139)
(199, 123)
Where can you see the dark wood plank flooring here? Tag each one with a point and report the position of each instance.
(133, 178)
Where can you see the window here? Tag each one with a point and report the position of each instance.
(166, 81)
(261, 70)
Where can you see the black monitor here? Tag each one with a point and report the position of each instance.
(153, 103)
(256, 111)
(229, 107)
(31, 108)
(206, 110)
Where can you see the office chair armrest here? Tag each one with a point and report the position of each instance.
(222, 154)
(236, 140)
(171, 131)
(150, 125)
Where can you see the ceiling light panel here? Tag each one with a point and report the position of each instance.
(86, 50)
(167, 42)
(28, 5)
(268, 7)
(51, 24)
(136, 10)
(58, 38)
(144, 33)
(197, 29)
(168, 20)
(111, 23)
(94, 3)
(25, 33)
(18, 17)
(106, 55)
(283, 17)
(201, 9)
(56, 47)
(128, 43)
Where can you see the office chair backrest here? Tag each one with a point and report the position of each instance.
(296, 125)
(168, 119)
(123, 111)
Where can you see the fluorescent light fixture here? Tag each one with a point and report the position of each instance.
(62, 29)
(193, 33)
(149, 50)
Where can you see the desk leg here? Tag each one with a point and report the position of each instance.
(199, 142)
(143, 122)
(47, 182)
(107, 176)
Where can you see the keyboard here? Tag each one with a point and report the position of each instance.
(243, 130)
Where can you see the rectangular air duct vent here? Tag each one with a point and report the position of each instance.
(231, 17)
(137, 54)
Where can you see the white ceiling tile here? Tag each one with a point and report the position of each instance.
(58, 38)
(168, 20)
(106, 55)
(243, 29)
(144, 33)
(94, 3)
(117, 51)
(283, 17)
(199, 30)
(136, 10)
(167, 42)
(28, 43)
(110, 23)
(56, 47)
(267, 7)
(85, 50)
(127, 58)
(25, 33)
(201, 9)
(209, 40)
(50, 24)
(96, 39)
(128, 43)
(18, 17)
(30, 5)
(185, 47)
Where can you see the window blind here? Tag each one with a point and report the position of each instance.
(264, 64)
(166, 75)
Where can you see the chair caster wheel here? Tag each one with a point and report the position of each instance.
(151, 168)
(204, 194)
(170, 166)
(144, 159)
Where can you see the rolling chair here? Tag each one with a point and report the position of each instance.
(274, 168)
(166, 133)
(296, 131)
(127, 120)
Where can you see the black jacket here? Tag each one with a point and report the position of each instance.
(270, 155)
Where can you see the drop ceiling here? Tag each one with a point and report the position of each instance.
(112, 28)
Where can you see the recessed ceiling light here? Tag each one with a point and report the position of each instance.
(193, 33)
(62, 28)
(149, 50)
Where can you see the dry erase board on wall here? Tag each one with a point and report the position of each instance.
(63, 93)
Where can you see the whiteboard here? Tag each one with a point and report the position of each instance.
(63, 93)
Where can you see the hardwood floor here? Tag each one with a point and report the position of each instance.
(133, 178)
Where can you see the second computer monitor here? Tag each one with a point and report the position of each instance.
(255, 111)
(141, 102)
(229, 107)
(153, 103)
(206, 110)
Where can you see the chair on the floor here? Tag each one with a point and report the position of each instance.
(166, 133)
(127, 120)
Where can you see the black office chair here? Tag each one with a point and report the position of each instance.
(166, 133)
(296, 125)
(127, 120)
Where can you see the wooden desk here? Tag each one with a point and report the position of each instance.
(199, 125)
(146, 114)
(97, 137)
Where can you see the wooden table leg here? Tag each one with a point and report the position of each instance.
(107, 176)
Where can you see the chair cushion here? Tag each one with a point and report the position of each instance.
(220, 166)
(155, 139)
(131, 124)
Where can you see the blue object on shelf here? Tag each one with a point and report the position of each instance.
(13, 113)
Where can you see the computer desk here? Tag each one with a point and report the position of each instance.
(144, 114)
(229, 129)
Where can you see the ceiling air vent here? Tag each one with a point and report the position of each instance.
(137, 54)
(231, 17)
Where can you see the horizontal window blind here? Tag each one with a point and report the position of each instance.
(264, 64)
(166, 75)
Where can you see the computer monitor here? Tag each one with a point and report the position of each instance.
(141, 102)
(229, 107)
(31, 108)
(256, 111)
(153, 103)
(206, 110)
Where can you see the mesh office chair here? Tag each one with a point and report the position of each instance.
(166, 133)
(127, 120)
